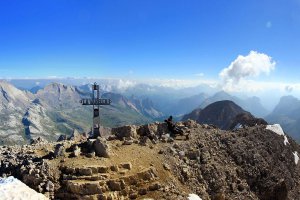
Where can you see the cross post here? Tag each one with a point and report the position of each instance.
(95, 102)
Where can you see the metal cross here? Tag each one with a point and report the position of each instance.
(96, 102)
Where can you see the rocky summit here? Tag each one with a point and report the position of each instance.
(144, 162)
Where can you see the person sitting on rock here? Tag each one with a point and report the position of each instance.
(170, 124)
(172, 128)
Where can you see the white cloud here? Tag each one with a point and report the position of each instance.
(181, 83)
(199, 74)
(236, 75)
(53, 77)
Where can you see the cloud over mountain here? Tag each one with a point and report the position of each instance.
(245, 67)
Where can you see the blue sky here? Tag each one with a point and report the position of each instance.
(170, 39)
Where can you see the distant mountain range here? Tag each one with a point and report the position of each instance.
(56, 110)
(166, 99)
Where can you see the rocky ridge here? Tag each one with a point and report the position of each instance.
(144, 162)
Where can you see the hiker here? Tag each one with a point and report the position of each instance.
(172, 128)
(170, 124)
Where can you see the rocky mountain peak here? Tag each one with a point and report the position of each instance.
(220, 113)
(9, 92)
(287, 104)
(58, 87)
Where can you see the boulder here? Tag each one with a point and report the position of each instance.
(126, 165)
(59, 150)
(76, 136)
(144, 141)
(154, 186)
(82, 188)
(147, 129)
(147, 174)
(125, 131)
(103, 169)
(50, 186)
(190, 123)
(38, 140)
(166, 166)
(101, 148)
(84, 171)
(128, 141)
(114, 185)
(76, 151)
(142, 191)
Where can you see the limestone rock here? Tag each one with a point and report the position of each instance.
(101, 148)
(147, 129)
(114, 185)
(190, 123)
(59, 150)
(126, 165)
(155, 186)
(85, 171)
(50, 186)
(38, 140)
(166, 166)
(128, 141)
(83, 188)
(76, 151)
(76, 136)
(125, 131)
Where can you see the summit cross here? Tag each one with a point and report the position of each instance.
(95, 102)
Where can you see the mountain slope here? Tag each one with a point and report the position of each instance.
(13, 103)
(286, 113)
(220, 113)
(146, 107)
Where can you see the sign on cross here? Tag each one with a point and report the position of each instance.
(95, 102)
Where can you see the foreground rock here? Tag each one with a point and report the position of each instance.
(251, 162)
